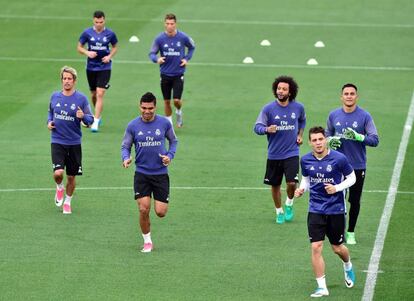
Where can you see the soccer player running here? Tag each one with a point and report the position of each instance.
(148, 133)
(173, 60)
(326, 174)
(350, 129)
(283, 121)
(99, 63)
(67, 108)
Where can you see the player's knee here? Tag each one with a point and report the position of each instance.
(291, 185)
(58, 173)
(161, 213)
(144, 210)
(337, 249)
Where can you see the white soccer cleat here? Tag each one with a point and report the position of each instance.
(95, 125)
(179, 117)
(320, 292)
(67, 209)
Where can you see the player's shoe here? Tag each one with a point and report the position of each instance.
(95, 125)
(67, 209)
(280, 218)
(320, 292)
(179, 119)
(147, 248)
(289, 213)
(59, 195)
(350, 238)
(349, 278)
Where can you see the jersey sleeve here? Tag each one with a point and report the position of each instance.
(114, 39)
(346, 166)
(172, 140)
(261, 123)
(371, 134)
(155, 48)
(83, 38)
(127, 143)
(189, 43)
(303, 169)
(330, 130)
(302, 118)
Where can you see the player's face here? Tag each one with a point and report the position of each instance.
(99, 24)
(68, 82)
(170, 26)
(147, 111)
(318, 143)
(349, 97)
(282, 92)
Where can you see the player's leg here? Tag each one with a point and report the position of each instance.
(273, 177)
(166, 88)
(291, 170)
(161, 189)
(142, 189)
(178, 88)
(355, 192)
(102, 84)
(335, 233)
(316, 232)
(73, 162)
(58, 163)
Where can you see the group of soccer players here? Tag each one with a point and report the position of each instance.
(336, 163)
(69, 109)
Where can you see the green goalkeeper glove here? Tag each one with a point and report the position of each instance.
(350, 134)
(334, 142)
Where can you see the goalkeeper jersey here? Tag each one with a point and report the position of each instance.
(362, 122)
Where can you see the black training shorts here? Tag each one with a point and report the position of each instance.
(333, 226)
(157, 186)
(98, 79)
(174, 84)
(69, 156)
(275, 169)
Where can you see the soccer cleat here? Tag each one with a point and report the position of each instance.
(179, 119)
(147, 248)
(349, 278)
(289, 213)
(59, 196)
(95, 126)
(67, 209)
(280, 218)
(320, 292)
(350, 238)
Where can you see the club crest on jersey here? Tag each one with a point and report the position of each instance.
(293, 116)
(178, 44)
(73, 107)
(329, 168)
(104, 39)
(355, 124)
(157, 132)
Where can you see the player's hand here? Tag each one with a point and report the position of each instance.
(334, 142)
(126, 163)
(351, 134)
(165, 159)
(299, 192)
(330, 189)
(183, 62)
(106, 59)
(271, 129)
(91, 54)
(79, 113)
(51, 125)
(161, 60)
(299, 140)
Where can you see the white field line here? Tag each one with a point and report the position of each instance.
(212, 64)
(173, 187)
(220, 22)
(373, 266)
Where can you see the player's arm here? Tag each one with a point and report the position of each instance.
(304, 186)
(299, 139)
(261, 128)
(348, 182)
(50, 123)
(172, 141)
(371, 137)
(189, 43)
(107, 59)
(85, 113)
(153, 52)
(84, 51)
(126, 148)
